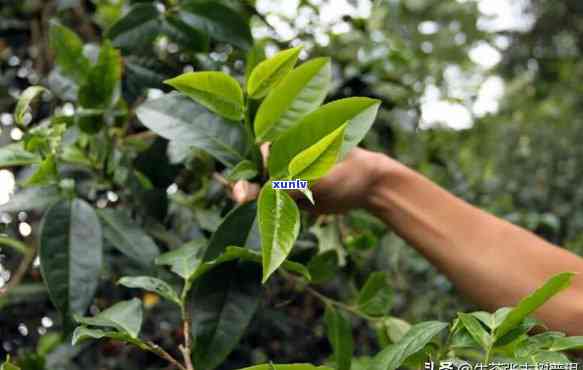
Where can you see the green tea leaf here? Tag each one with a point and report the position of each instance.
(279, 225)
(36, 198)
(315, 161)
(24, 101)
(531, 303)
(15, 155)
(323, 266)
(222, 304)
(46, 173)
(412, 342)
(299, 366)
(101, 88)
(339, 331)
(128, 237)
(244, 170)
(183, 34)
(269, 72)
(218, 21)
(70, 253)
(137, 29)
(358, 112)
(151, 284)
(298, 93)
(217, 91)
(7, 365)
(176, 117)
(185, 260)
(68, 49)
(125, 316)
(83, 333)
(567, 344)
(376, 295)
(476, 330)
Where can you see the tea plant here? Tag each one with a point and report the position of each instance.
(78, 158)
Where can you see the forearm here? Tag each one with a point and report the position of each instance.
(490, 260)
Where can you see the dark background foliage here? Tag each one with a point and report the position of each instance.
(520, 161)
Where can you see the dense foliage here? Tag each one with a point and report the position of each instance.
(132, 120)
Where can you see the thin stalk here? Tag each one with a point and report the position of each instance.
(160, 352)
(17, 245)
(186, 325)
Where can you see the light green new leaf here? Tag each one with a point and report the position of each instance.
(68, 49)
(218, 21)
(185, 260)
(358, 112)
(254, 56)
(179, 118)
(532, 302)
(412, 342)
(375, 296)
(83, 333)
(138, 28)
(476, 330)
(70, 253)
(315, 161)
(339, 331)
(298, 93)
(8, 365)
(279, 225)
(299, 366)
(101, 89)
(15, 155)
(128, 237)
(46, 173)
(125, 316)
(567, 344)
(269, 72)
(217, 91)
(151, 284)
(23, 104)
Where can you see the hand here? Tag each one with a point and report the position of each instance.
(347, 186)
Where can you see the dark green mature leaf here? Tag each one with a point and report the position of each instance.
(279, 225)
(137, 29)
(358, 112)
(299, 366)
(217, 91)
(234, 230)
(315, 161)
(412, 342)
(339, 331)
(83, 333)
(151, 284)
(269, 72)
(15, 155)
(532, 302)
(324, 266)
(24, 101)
(299, 92)
(37, 198)
(476, 330)
(185, 260)
(176, 117)
(101, 88)
(222, 304)
(125, 316)
(68, 49)
(218, 21)
(183, 34)
(376, 295)
(128, 237)
(70, 253)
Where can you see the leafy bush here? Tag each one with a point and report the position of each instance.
(158, 197)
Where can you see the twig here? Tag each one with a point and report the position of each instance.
(160, 352)
(20, 271)
(185, 349)
(222, 180)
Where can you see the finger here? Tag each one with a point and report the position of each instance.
(264, 148)
(244, 191)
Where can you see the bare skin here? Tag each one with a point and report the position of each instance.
(491, 261)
